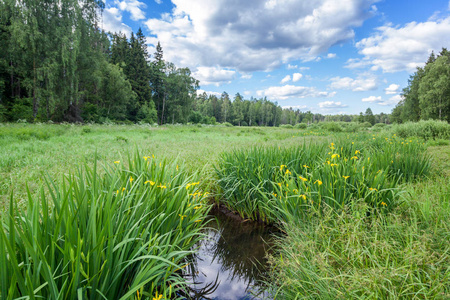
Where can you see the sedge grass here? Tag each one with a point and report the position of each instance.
(120, 235)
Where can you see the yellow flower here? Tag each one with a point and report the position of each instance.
(303, 197)
(162, 186)
(335, 155)
(145, 157)
(157, 297)
(282, 167)
(354, 157)
(305, 166)
(279, 183)
(333, 165)
(318, 181)
(117, 192)
(382, 203)
(182, 217)
(149, 181)
(288, 172)
(177, 167)
(117, 162)
(131, 179)
(346, 177)
(197, 207)
(124, 189)
(373, 189)
(197, 221)
(302, 179)
(274, 194)
(357, 151)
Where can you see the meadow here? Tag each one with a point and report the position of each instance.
(112, 211)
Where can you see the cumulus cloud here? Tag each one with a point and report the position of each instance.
(213, 75)
(255, 35)
(372, 99)
(112, 21)
(292, 91)
(360, 84)
(395, 48)
(158, 1)
(392, 89)
(296, 77)
(378, 100)
(133, 7)
(286, 79)
(331, 105)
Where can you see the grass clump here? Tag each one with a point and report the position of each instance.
(278, 184)
(400, 254)
(427, 130)
(118, 235)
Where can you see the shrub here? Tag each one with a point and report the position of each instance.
(286, 126)
(227, 124)
(332, 126)
(301, 126)
(430, 129)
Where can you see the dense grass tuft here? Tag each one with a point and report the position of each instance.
(118, 235)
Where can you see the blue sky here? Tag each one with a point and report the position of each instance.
(326, 56)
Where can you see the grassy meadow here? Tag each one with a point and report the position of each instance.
(112, 211)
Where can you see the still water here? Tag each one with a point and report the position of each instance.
(231, 261)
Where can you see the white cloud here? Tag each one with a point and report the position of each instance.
(331, 55)
(392, 89)
(291, 91)
(213, 75)
(133, 7)
(296, 77)
(158, 1)
(255, 35)
(372, 99)
(246, 76)
(395, 48)
(290, 67)
(286, 79)
(112, 21)
(360, 84)
(355, 63)
(331, 105)
(378, 100)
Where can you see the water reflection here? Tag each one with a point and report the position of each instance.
(230, 263)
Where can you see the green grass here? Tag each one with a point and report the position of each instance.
(365, 212)
(24, 162)
(114, 234)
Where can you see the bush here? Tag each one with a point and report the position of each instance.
(301, 126)
(430, 129)
(332, 126)
(227, 124)
(287, 126)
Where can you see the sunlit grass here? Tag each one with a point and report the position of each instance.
(114, 234)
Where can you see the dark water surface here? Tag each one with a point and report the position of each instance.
(230, 263)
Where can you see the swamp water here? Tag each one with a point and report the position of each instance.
(231, 260)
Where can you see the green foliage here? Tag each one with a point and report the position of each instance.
(275, 185)
(332, 126)
(301, 126)
(103, 235)
(401, 254)
(287, 126)
(431, 129)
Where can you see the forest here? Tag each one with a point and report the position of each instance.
(56, 64)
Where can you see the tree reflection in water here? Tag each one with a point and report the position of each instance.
(230, 264)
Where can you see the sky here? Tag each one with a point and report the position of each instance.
(323, 56)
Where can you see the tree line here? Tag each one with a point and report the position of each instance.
(427, 95)
(56, 64)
